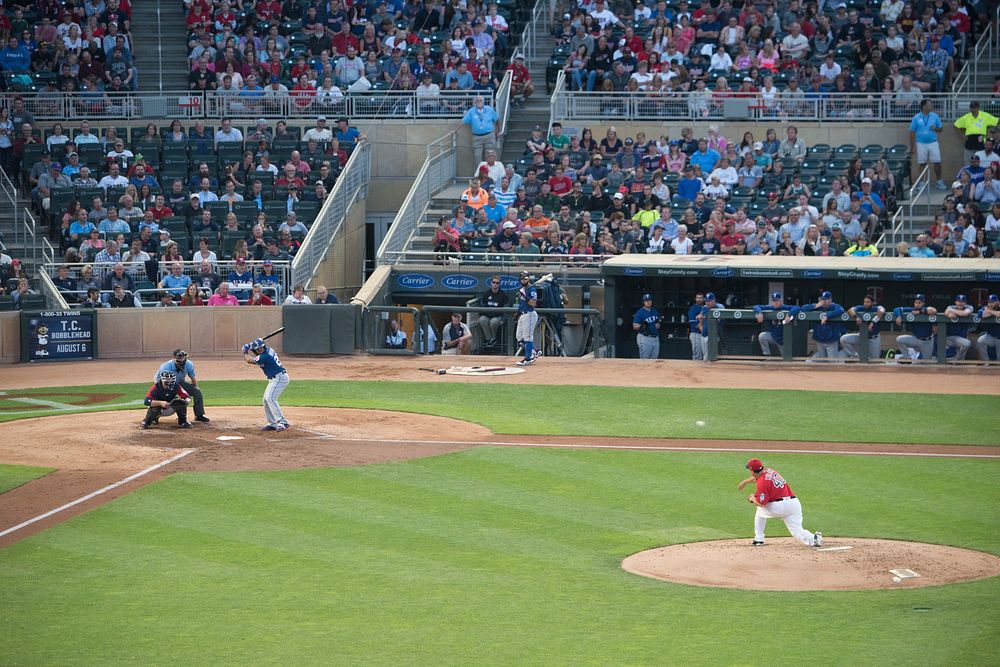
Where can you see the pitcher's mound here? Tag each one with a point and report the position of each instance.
(785, 564)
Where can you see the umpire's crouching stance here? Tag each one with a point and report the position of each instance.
(182, 367)
(166, 397)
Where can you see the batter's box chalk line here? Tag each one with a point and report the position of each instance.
(844, 548)
(905, 573)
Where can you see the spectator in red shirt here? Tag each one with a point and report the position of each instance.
(520, 81)
(290, 178)
(560, 183)
(160, 210)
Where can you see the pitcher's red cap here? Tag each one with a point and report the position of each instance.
(754, 465)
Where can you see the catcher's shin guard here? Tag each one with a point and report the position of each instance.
(152, 414)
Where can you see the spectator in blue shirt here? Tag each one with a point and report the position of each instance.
(921, 249)
(689, 185)
(175, 281)
(705, 158)
(346, 134)
(924, 130)
(460, 74)
(15, 58)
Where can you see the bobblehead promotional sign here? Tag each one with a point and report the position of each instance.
(58, 335)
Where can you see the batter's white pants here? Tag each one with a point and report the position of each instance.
(961, 345)
(272, 411)
(983, 345)
(909, 342)
(526, 324)
(766, 340)
(696, 349)
(788, 510)
(851, 341)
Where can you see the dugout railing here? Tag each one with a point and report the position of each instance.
(805, 319)
(375, 330)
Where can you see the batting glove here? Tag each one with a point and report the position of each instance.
(246, 348)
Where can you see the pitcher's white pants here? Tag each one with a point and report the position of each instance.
(272, 411)
(788, 510)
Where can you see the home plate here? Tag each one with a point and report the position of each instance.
(834, 548)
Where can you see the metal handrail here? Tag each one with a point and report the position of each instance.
(53, 297)
(491, 258)
(581, 105)
(982, 50)
(351, 185)
(560, 85)
(438, 170)
(213, 104)
(502, 105)
(10, 195)
(921, 186)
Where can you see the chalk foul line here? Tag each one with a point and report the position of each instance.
(94, 494)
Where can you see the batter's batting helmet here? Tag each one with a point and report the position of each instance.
(169, 378)
(257, 343)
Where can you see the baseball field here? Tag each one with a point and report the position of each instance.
(423, 519)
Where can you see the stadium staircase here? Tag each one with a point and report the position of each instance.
(440, 204)
(160, 45)
(537, 108)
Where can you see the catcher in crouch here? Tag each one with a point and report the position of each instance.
(166, 397)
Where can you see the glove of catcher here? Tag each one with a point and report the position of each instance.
(179, 402)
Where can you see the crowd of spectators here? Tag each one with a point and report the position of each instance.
(579, 198)
(81, 46)
(315, 53)
(780, 50)
(968, 223)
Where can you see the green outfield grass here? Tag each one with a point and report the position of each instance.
(742, 414)
(491, 555)
(14, 476)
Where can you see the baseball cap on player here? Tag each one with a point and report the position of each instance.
(993, 298)
(961, 298)
(775, 296)
(826, 296)
(710, 296)
(919, 297)
(755, 465)
(647, 297)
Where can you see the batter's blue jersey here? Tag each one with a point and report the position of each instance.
(693, 312)
(269, 363)
(525, 296)
(182, 375)
(833, 329)
(648, 317)
(706, 311)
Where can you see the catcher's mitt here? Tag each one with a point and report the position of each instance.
(179, 402)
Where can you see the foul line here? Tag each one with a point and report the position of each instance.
(94, 494)
(661, 448)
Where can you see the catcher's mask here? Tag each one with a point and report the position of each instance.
(168, 378)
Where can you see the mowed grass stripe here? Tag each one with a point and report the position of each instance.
(740, 414)
(430, 561)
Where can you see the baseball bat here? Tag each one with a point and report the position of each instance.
(439, 371)
(273, 333)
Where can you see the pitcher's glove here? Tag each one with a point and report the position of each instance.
(179, 402)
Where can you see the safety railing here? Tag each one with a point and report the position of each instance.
(553, 337)
(148, 297)
(194, 105)
(493, 259)
(901, 224)
(8, 198)
(351, 185)
(730, 317)
(53, 298)
(151, 273)
(378, 337)
(538, 24)
(919, 190)
(438, 170)
(502, 106)
(575, 105)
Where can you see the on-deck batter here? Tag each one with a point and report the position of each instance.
(774, 500)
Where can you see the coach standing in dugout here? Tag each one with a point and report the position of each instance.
(184, 368)
(646, 324)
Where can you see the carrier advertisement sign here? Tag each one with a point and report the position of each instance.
(58, 335)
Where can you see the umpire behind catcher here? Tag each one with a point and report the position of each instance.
(183, 367)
